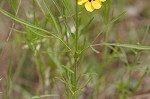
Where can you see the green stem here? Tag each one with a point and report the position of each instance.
(76, 55)
(76, 47)
(75, 80)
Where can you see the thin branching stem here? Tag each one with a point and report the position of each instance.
(76, 54)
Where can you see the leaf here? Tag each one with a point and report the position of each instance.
(32, 26)
(68, 69)
(96, 51)
(138, 47)
(43, 96)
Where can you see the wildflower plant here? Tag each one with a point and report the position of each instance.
(58, 43)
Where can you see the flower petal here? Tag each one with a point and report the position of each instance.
(96, 4)
(89, 7)
(80, 2)
(102, 0)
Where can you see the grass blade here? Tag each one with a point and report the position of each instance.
(44, 96)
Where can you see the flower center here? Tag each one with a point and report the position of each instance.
(91, 0)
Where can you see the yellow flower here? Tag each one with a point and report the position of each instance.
(90, 5)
